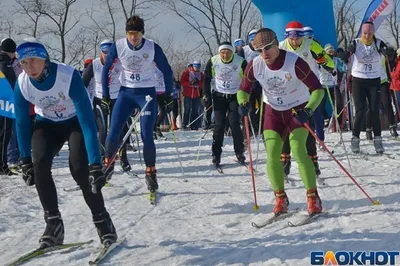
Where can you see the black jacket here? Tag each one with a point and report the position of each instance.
(7, 69)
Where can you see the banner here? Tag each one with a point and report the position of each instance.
(6, 98)
(317, 14)
(377, 12)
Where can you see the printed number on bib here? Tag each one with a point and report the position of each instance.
(227, 84)
(279, 100)
(367, 67)
(135, 77)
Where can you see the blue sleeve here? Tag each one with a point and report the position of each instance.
(83, 107)
(23, 123)
(112, 54)
(162, 64)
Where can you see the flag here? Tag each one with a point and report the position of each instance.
(6, 98)
(377, 12)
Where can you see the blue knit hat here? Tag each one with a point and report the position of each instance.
(31, 48)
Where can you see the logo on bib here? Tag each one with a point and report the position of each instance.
(61, 95)
(305, 55)
(145, 55)
(288, 76)
(275, 85)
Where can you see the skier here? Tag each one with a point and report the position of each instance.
(63, 114)
(226, 69)
(165, 107)
(239, 44)
(192, 81)
(312, 52)
(248, 51)
(139, 58)
(366, 71)
(93, 72)
(287, 81)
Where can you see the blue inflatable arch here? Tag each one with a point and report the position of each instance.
(317, 14)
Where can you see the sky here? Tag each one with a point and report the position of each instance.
(164, 25)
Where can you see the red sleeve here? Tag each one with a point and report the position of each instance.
(185, 79)
(248, 78)
(396, 72)
(306, 75)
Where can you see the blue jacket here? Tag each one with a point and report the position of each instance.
(80, 98)
(159, 58)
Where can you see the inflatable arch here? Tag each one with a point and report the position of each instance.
(318, 14)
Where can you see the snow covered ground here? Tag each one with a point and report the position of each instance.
(207, 220)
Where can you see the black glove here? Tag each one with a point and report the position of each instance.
(169, 103)
(105, 105)
(206, 101)
(243, 109)
(352, 47)
(303, 115)
(27, 171)
(334, 73)
(97, 179)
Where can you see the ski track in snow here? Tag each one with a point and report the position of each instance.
(207, 220)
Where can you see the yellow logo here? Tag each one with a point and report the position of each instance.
(2, 75)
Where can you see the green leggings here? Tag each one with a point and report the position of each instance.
(297, 141)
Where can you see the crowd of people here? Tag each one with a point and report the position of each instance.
(284, 89)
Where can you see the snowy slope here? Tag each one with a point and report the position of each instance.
(207, 220)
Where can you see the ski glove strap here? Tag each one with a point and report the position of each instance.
(303, 115)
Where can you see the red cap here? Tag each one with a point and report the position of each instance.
(294, 29)
(88, 61)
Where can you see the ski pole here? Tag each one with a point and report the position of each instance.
(176, 147)
(246, 124)
(260, 125)
(374, 202)
(137, 140)
(148, 99)
(199, 116)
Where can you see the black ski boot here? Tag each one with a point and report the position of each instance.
(54, 232)
(216, 159)
(126, 167)
(241, 158)
(159, 133)
(286, 163)
(368, 134)
(393, 131)
(105, 228)
(151, 179)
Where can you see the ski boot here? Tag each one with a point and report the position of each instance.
(54, 232)
(368, 134)
(105, 228)
(355, 144)
(241, 158)
(126, 167)
(286, 163)
(393, 131)
(282, 202)
(7, 171)
(159, 133)
(216, 159)
(108, 168)
(316, 165)
(313, 201)
(151, 179)
(378, 145)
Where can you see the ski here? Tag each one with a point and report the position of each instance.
(153, 198)
(42, 251)
(247, 165)
(103, 252)
(275, 218)
(306, 220)
(70, 189)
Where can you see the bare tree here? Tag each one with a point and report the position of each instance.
(83, 45)
(393, 25)
(346, 19)
(64, 20)
(104, 19)
(216, 20)
(132, 7)
(28, 10)
(8, 28)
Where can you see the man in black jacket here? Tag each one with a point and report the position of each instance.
(7, 56)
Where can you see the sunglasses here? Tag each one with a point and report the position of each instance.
(265, 48)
